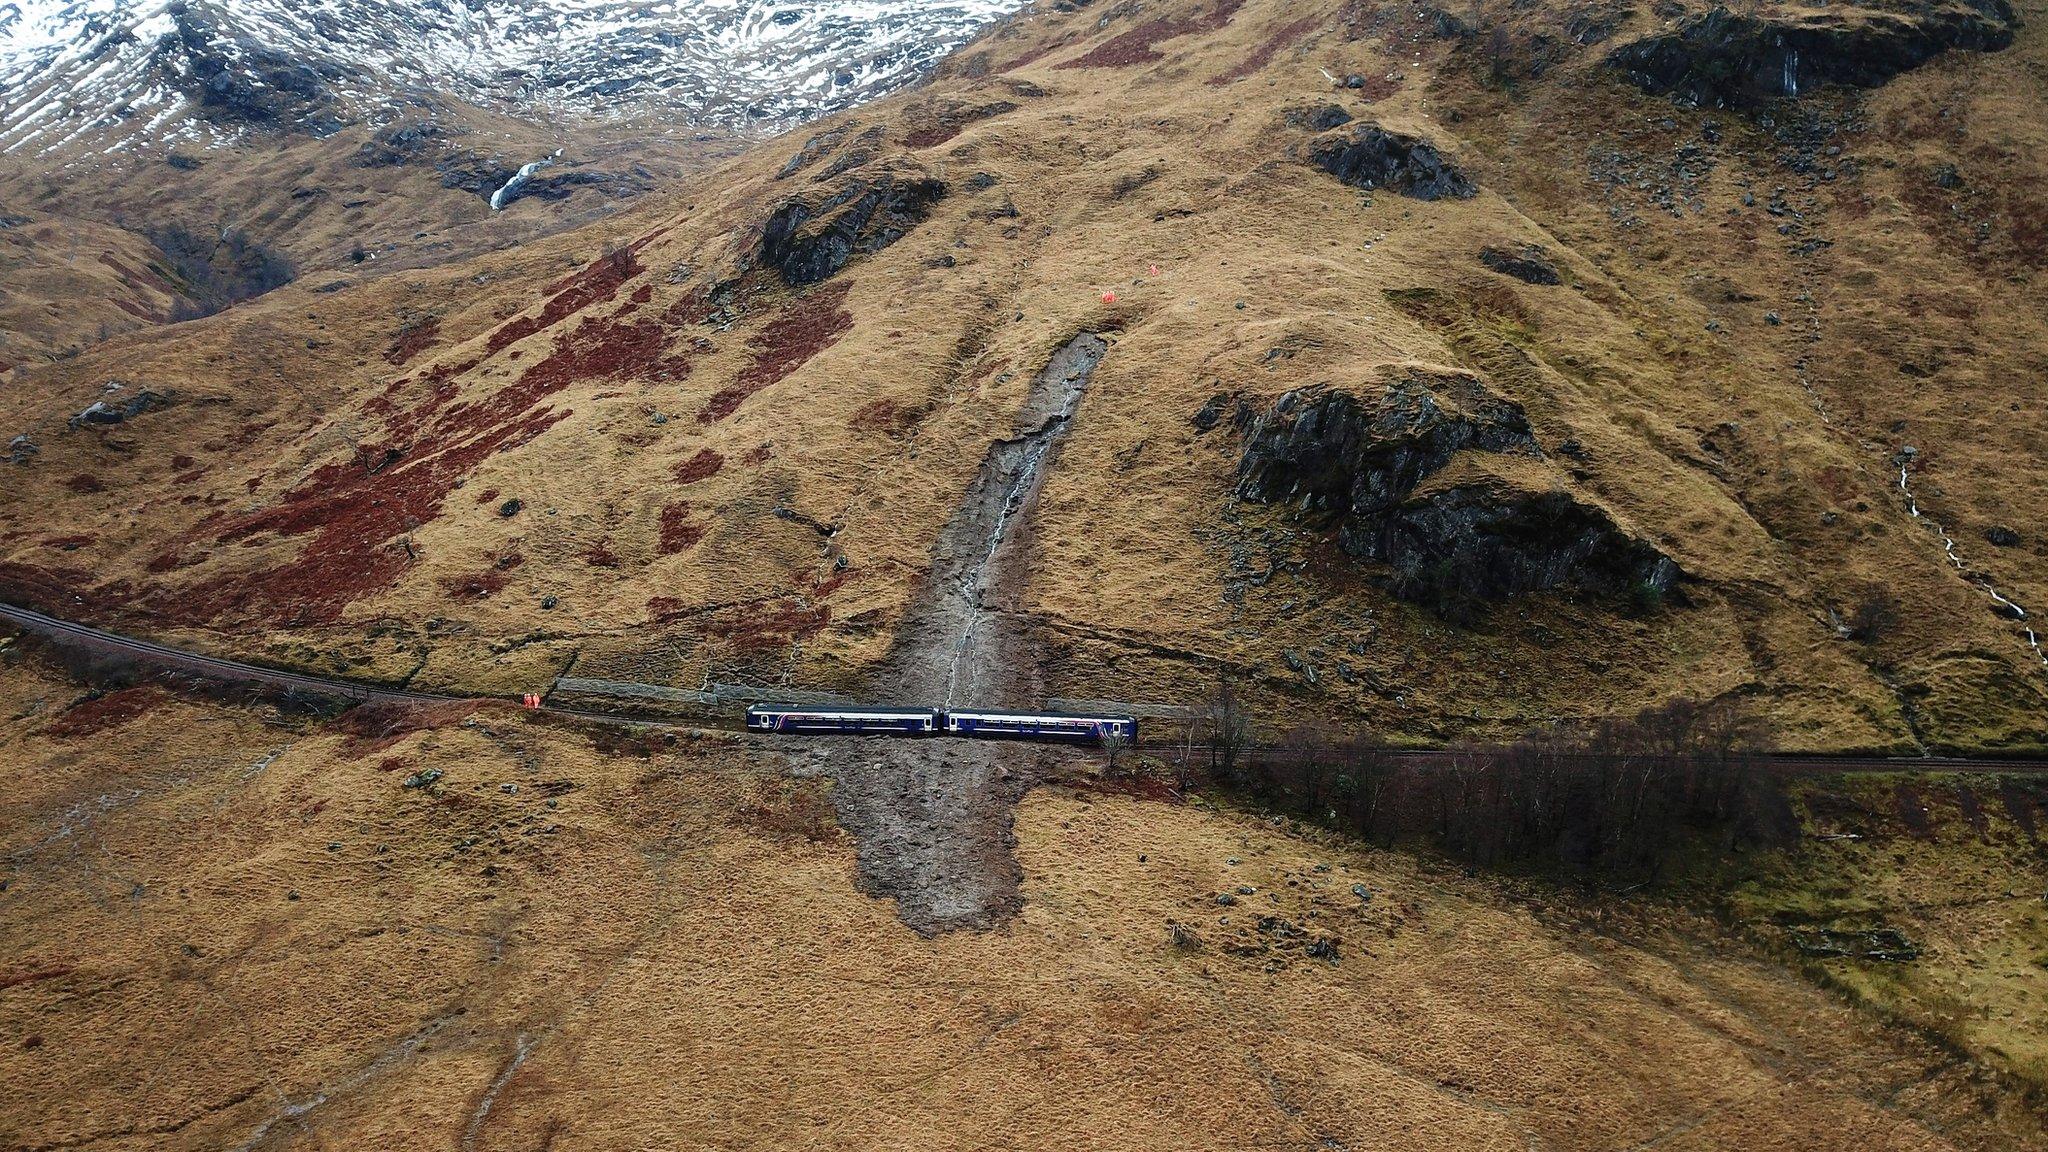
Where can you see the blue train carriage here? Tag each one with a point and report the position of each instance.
(1069, 727)
(821, 718)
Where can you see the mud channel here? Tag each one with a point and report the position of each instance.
(934, 818)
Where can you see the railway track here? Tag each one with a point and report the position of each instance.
(89, 640)
(93, 641)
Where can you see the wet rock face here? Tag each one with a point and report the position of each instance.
(806, 243)
(1362, 466)
(1720, 57)
(1370, 157)
(1482, 542)
(1332, 452)
(1529, 264)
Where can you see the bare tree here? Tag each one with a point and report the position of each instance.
(1113, 745)
(1184, 759)
(1230, 730)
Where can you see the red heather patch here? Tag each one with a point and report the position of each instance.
(601, 556)
(85, 483)
(759, 456)
(486, 583)
(760, 627)
(598, 281)
(806, 328)
(370, 729)
(355, 511)
(413, 339)
(487, 495)
(704, 465)
(1137, 45)
(677, 532)
(13, 977)
(1264, 53)
(1032, 56)
(103, 712)
(182, 462)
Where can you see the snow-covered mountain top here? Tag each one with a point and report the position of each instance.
(211, 69)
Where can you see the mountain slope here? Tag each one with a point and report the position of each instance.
(210, 71)
(1454, 382)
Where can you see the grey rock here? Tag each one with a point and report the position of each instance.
(1720, 57)
(1530, 264)
(1371, 157)
(1360, 465)
(807, 242)
(111, 410)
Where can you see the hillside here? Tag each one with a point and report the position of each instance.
(479, 929)
(1461, 371)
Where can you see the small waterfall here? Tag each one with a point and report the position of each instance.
(525, 173)
(1948, 546)
(1791, 71)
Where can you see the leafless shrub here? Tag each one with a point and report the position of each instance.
(1872, 617)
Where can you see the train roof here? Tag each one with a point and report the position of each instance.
(980, 714)
(842, 710)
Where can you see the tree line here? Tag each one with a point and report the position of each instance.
(1613, 801)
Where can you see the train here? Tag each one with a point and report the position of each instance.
(983, 724)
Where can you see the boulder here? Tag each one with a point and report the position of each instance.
(2001, 536)
(1368, 156)
(21, 448)
(807, 242)
(1721, 57)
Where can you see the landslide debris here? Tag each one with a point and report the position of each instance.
(1722, 57)
(1442, 481)
(1368, 156)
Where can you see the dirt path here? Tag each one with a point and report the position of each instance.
(934, 818)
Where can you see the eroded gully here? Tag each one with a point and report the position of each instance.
(934, 818)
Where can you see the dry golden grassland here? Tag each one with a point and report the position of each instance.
(225, 929)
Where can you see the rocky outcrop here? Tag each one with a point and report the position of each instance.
(1529, 264)
(1720, 57)
(1381, 472)
(1371, 157)
(401, 143)
(1330, 451)
(1489, 541)
(236, 80)
(806, 242)
(115, 408)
